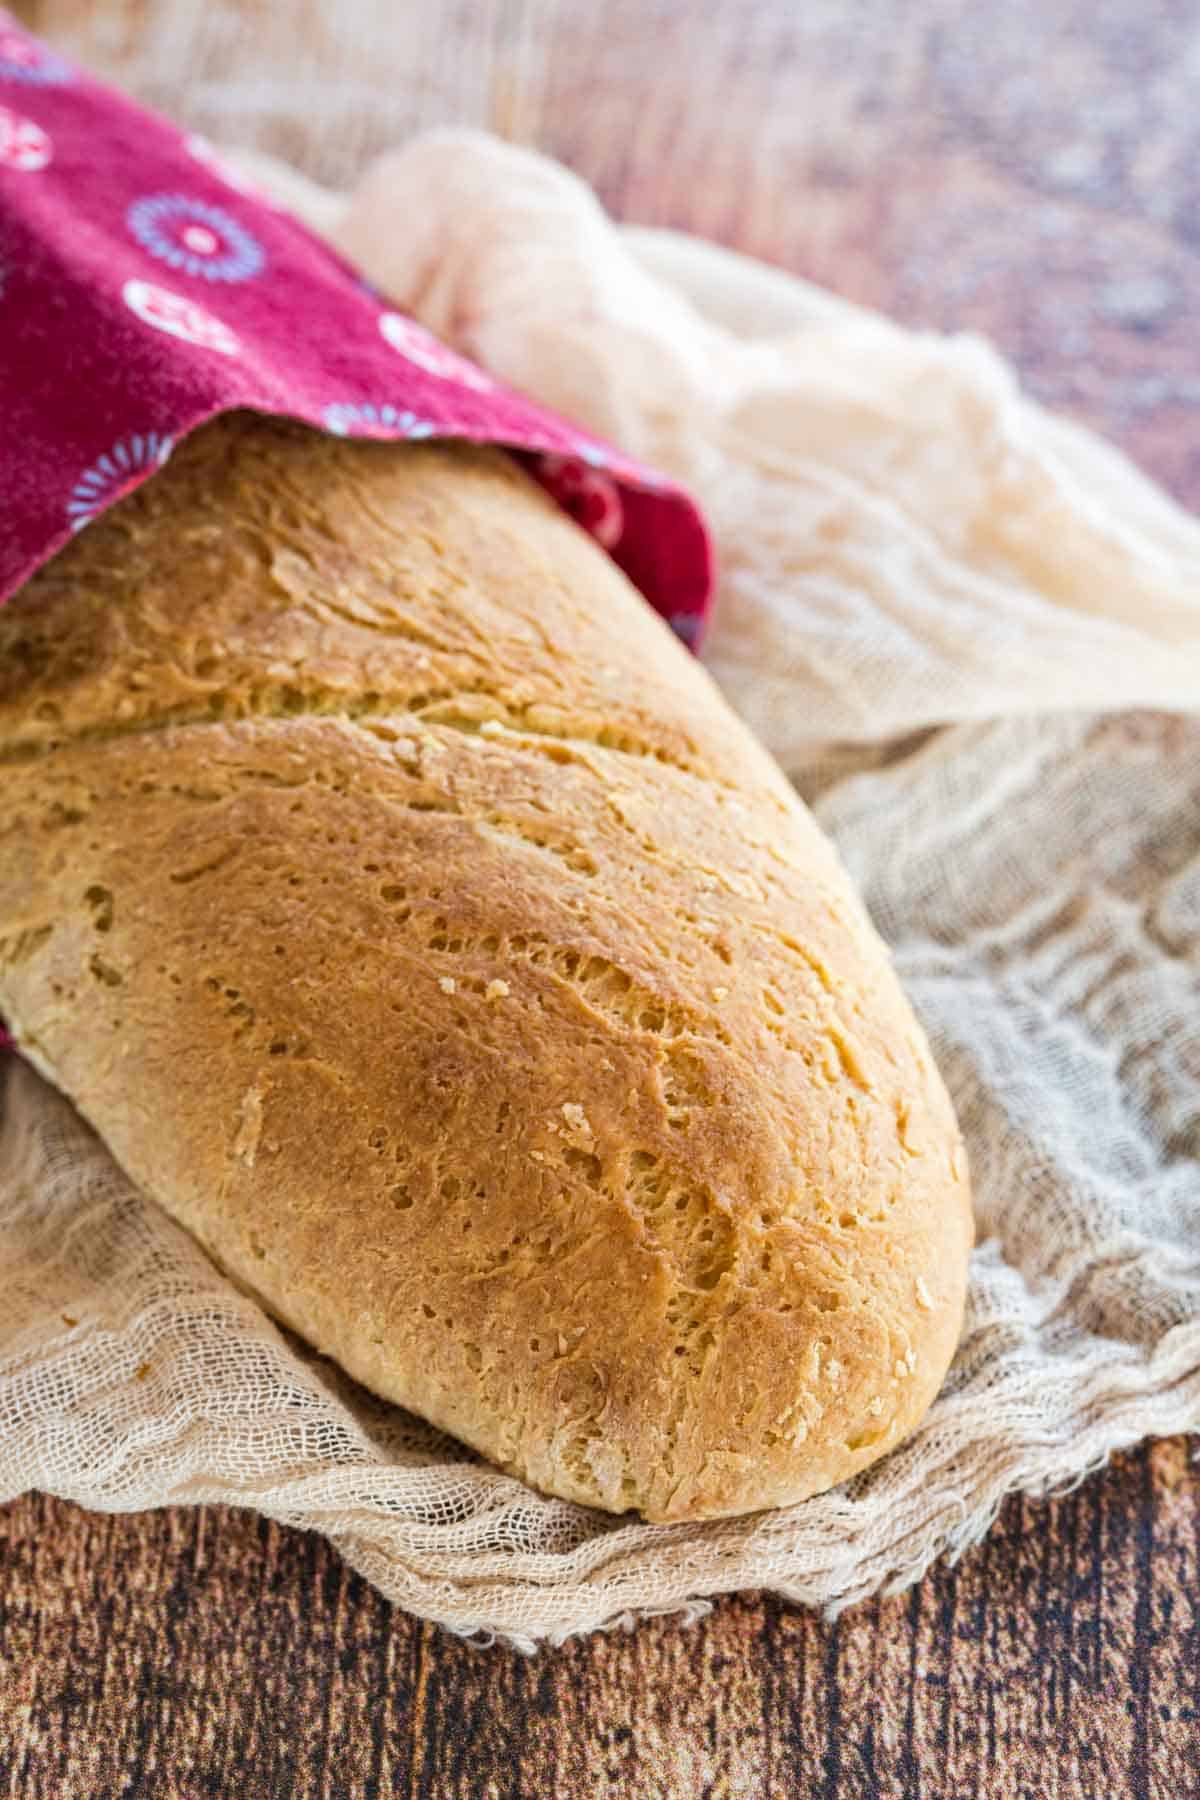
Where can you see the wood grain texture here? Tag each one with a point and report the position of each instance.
(1026, 170)
(208, 1652)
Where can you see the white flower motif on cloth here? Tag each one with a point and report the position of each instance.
(191, 235)
(112, 474)
(23, 145)
(22, 59)
(179, 317)
(590, 496)
(346, 419)
(421, 347)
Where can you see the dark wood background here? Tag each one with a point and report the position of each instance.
(1028, 168)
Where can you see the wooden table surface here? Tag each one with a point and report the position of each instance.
(1028, 168)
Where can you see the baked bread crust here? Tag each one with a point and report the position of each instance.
(413, 920)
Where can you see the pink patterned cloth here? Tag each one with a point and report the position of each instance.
(145, 286)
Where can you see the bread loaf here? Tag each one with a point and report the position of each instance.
(412, 919)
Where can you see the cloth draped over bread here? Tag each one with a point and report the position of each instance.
(971, 635)
(190, 294)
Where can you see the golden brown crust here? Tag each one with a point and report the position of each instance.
(414, 921)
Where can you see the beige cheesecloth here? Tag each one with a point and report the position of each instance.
(947, 613)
